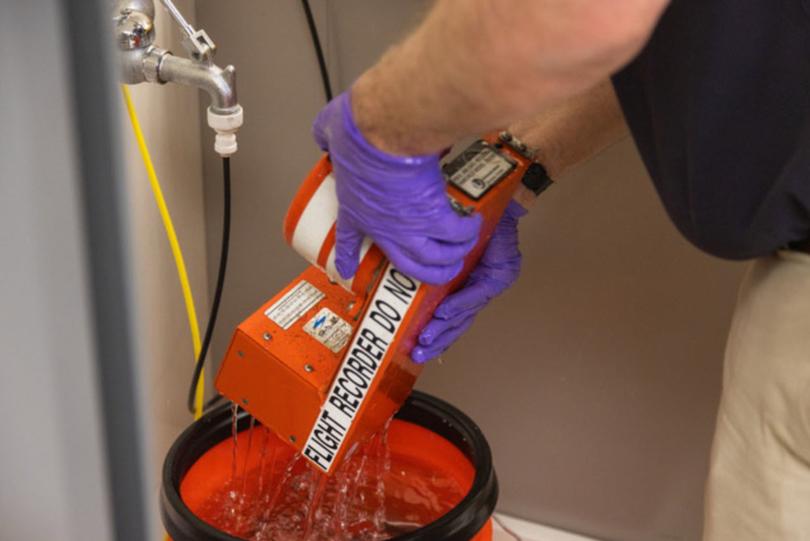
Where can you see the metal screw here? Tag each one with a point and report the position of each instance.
(245, 401)
(293, 439)
(267, 336)
(240, 353)
(309, 368)
(350, 305)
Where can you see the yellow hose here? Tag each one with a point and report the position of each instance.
(179, 262)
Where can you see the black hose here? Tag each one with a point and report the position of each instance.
(316, 42)
(226, 224)
(223, 266)
(213, 401)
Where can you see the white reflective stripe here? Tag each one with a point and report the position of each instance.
(364, 248)
(331, 269)
(334, 275)
(317, 219)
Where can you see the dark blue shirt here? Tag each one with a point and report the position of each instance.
(719, 105)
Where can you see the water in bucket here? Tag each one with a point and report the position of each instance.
(254, 487)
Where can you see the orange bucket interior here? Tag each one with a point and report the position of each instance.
(412, 449)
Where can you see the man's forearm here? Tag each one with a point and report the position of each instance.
(475, 65)
(575, 130)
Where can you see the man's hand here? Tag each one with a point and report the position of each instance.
(565, 136)
(400, 202)
(498, 269)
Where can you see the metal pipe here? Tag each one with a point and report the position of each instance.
(218, 83)
(141, 61)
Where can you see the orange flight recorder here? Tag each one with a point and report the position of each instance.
(325, 363)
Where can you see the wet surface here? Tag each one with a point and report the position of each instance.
(268, 493)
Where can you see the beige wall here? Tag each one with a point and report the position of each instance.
(171, 125)
(595, 379)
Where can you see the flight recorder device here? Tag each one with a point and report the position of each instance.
(325, 363)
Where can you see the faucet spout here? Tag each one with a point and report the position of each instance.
(142, 61)
(218, 83)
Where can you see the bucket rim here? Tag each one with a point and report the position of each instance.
(461, 523)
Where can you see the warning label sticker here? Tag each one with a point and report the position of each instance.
(294, 304)
(477, 169)
(329, 329)
(361, 364)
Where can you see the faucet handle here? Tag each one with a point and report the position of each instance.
(200, 46)
(197, 42)
(135, 30)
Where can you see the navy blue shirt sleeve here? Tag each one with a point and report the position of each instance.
(719, 105)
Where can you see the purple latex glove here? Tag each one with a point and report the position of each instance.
(400, 202)
(498, 269)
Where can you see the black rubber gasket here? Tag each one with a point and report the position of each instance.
(461, 523)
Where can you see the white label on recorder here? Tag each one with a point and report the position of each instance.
(329, 329)
(294, 304)
(483, 170)
(391, 302)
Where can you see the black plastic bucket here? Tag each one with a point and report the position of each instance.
(470, 520)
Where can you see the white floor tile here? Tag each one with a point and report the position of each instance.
(528, 531)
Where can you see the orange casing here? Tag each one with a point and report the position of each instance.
(287, 378)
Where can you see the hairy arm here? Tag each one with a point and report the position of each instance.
(572, 132)
(475, 65)
(575, 130)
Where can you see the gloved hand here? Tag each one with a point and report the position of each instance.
(498, 269)
(400, 202)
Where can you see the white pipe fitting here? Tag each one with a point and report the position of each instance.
(226, 125)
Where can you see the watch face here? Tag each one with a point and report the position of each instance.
(536, 178)
(477, 169)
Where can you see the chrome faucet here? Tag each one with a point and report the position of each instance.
(142, 61)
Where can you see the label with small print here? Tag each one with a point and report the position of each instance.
(329, 329)
(477, 169)
(294, 304)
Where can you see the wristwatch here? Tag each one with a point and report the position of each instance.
(536, 178)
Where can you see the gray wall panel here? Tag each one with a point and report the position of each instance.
(53, 481)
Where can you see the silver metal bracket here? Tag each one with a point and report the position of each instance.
(197, 42)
